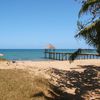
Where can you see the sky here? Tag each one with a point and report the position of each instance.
(33, 24)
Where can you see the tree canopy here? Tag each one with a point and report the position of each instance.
(89, 30)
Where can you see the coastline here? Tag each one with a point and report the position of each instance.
(64, 65)
(32, 54)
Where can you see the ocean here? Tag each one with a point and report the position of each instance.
(30, 54)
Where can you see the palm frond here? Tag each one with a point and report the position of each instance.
(74, 55)
(91, 33)
(88, 4)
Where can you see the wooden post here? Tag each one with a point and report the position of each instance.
(49, 55)
(59, 56)
(56, 56)
(62, 56)
(90, 56)
(65, 56)
(93, 56)
(87, 56)
(84, 56)
(96, 57)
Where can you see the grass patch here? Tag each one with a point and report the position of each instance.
(16, 84)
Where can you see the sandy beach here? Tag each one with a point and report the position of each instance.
(44, 67)
(41, 65)
(55, 70)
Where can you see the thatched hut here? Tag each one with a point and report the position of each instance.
(50, 46)
(48, 49)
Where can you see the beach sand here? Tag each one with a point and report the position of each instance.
(54, 70)
(63, 65)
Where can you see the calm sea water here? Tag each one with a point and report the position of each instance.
(29, 54)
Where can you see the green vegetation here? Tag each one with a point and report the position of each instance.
(89, 30)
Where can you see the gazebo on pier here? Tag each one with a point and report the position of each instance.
(49, 48)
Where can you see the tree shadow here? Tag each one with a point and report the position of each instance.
(82, 82)
(41, 94)
(97, 68)
(85, 81)
(57, 94)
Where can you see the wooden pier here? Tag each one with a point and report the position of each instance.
(51, 54)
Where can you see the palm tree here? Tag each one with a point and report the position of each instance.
(91, 6)
(89, 31)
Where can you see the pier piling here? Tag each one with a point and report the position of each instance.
(52, 54)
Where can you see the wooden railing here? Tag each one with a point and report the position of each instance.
(65, 56)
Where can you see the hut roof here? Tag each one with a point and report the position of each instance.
(50, 46)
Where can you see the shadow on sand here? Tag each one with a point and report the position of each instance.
(82, 82)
